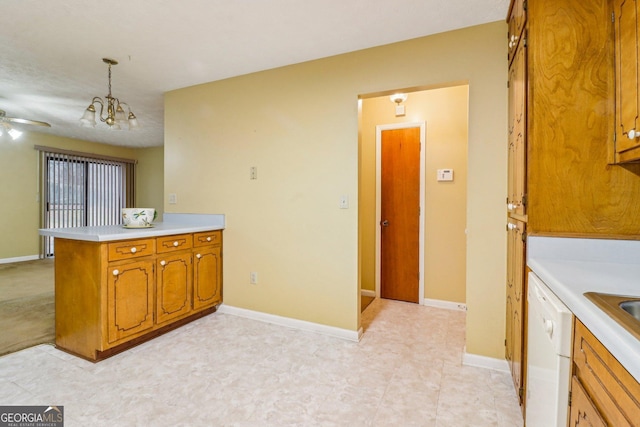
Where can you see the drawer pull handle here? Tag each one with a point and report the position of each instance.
(175, 244)
(633, 134)
(208, 239)
(116, 272)
(163, 262)
(134, 250)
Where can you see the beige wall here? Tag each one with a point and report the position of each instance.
(20, 208)
(299, 126)
(150, 179)
(445, 112)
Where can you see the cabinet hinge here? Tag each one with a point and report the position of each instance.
(613, 17)
(524, 5)
(505, 342)
(569, 397)
(524, 200)
(521, 393)
(508, 85)
(524, 236)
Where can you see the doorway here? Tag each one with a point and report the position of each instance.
(442, 259)
(400, 189)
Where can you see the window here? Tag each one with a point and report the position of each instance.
(81, 189)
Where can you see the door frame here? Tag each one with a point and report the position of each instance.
(379, 130)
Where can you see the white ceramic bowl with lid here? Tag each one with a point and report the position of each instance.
(138, 217)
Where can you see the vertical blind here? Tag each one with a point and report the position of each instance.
(80, 189)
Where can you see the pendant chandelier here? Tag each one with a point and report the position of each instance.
(116, 117)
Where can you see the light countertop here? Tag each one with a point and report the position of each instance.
(571, 266)
(173, 224)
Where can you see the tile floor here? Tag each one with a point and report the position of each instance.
(223, 370)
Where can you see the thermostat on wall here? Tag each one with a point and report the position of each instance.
(445, 174)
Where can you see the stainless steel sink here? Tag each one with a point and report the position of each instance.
(624, 309)
(631, 307)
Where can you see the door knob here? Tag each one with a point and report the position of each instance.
(384, 223)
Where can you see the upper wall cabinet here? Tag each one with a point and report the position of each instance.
(627, 137)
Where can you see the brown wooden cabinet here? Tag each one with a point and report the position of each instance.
(129, 299)
(516, 193)
(602, 391)
(173, 286)
(626, 28)
(514, 339)
(111, 296)
(207, 269)
(583, 412)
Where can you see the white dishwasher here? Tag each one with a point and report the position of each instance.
(548, 357)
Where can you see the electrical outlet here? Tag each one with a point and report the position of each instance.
(173, 198)
(253, 172)
(253, 278)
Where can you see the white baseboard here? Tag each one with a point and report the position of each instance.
(484, 362)
(449, 305)
(367, 293)
(288, 322)
(19, 259)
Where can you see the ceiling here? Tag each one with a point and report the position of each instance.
(52, 51)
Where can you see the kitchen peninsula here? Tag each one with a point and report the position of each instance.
(117, 287)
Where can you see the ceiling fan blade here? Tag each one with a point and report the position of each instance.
(27, 121)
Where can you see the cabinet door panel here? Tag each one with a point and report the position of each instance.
(517, 18)
(207, 273)
(612, 389)
(583, 412)
(173, 287)
(517, 133)
(514, 339)
(129, 299)
(626, 60)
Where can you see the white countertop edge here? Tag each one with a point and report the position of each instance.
(569, 279)
(118, 232)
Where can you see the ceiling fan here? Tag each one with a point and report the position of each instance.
(6, 124)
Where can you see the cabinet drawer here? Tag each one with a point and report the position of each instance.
(612, 389)
(131, 249)
(207, 238)
(174, 243)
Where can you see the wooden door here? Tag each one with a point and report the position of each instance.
(207, 277)
(400, 214)
(173, 286)
(129, 299)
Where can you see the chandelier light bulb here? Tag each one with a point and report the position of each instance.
(116, 117)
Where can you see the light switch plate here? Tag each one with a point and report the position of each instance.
(344, 202)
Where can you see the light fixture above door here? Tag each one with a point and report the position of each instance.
(398, 99)
(115, 117)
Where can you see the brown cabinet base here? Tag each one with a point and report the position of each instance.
(111, 296)
(105, 354)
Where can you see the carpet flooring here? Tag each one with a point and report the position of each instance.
(27, 314)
